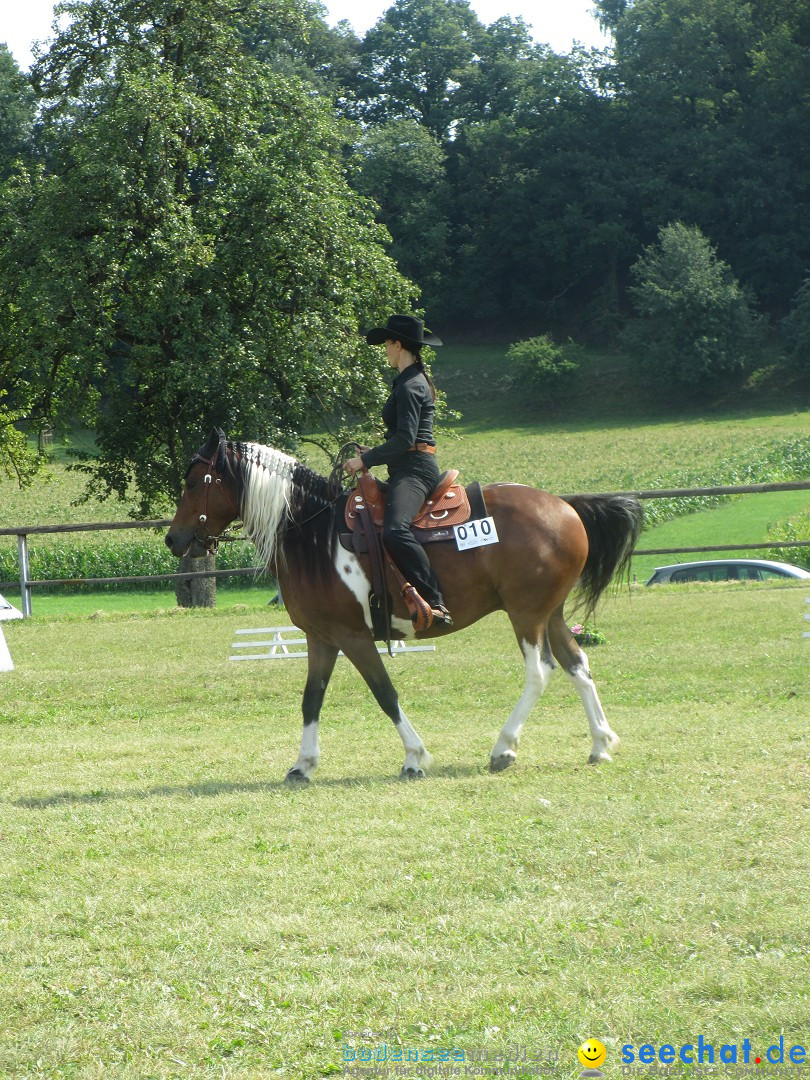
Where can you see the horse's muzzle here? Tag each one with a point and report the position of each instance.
(180, 545)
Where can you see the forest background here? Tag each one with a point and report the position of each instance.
(201, 206)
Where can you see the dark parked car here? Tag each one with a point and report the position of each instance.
(727, 570)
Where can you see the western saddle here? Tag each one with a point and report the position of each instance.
(449, 504)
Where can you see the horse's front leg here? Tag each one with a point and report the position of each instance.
(321, 663)
(362, 652)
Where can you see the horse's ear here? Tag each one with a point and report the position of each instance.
(208, 449)
(222, 443)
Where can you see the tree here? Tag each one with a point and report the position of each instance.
(694, 326)
(193, 254)
(494, 83)
(17, 113)
(710, 93)
(16, 457)
(402, 167)
(540, 202)
(305, 46)
(796, 329)
(414, 59)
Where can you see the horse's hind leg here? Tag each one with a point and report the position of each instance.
(321, 663)
(574, 663)
(538, 664)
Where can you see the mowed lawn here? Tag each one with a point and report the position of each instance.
(171, 909)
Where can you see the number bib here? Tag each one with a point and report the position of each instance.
(476, 533)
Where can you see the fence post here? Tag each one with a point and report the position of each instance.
(197, 592)
(25, 574)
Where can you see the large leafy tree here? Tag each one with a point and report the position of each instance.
(413, 60)
(191, 253)
(17, 114)
(539, 200)
(328, 57)
(796, 329)
(402, 167)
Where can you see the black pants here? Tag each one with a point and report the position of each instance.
(408, 487)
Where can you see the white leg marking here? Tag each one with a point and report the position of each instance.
(538, 672)
(416, 756)
(604, 738)
(351, 574)
(310, 751)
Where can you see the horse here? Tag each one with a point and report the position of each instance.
(547, 546)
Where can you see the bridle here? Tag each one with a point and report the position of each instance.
(211, 543)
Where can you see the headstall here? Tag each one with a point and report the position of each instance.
(211, 543)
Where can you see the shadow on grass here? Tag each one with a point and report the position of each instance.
(214, 788)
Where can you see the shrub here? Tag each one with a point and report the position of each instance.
(543, 366)
(796, 329)
(785, 531)
(695, 326)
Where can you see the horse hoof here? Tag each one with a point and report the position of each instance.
(412, 774)
(295, 776)
(611, 745)
(502, 761)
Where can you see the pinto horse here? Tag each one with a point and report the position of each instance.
(546, 546)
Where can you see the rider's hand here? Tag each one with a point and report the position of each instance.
(354, 465)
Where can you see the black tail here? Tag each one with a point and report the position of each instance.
(613, 524)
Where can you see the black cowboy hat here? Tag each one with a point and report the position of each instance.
(405, 328)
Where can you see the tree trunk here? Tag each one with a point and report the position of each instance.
(196, 592)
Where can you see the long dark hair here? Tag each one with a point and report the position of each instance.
(420, 363)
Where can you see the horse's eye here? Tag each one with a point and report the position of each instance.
(191, 483)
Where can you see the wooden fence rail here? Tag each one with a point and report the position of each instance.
(22, 532)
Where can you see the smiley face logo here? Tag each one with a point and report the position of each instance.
(592, 1054)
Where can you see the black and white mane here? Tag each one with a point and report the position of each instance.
(287, 509)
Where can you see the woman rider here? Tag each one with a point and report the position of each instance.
(409, 451)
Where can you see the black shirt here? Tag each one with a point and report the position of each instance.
(408, 418)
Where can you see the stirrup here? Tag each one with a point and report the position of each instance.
(438, 615)
(442, 616)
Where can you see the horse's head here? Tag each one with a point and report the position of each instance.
(209, 501)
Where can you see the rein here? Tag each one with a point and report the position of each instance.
(334, 482)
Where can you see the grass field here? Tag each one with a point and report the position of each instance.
(171, 909)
